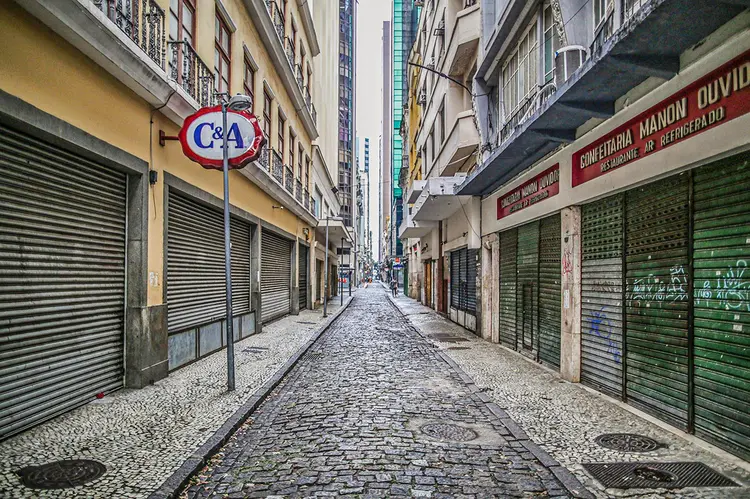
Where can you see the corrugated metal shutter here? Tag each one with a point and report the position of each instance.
(196, 282)
(601, 295)
(528, 284)
(455, 279)
(303, 264)
(62, 271)
(721, 256)
(463, 262)
(471, 280)
(657, 292)
(549, 290)
(507, 320)
(275, 275)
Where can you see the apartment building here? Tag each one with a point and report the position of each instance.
(112, 266)
(440, 230)
(614, 209)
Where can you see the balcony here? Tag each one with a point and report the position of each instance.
(191, 73)
(277, 17)
(438, 200)
(290, 51)
(462, 141)
(526, 110)
(277, 167)
(298, 191)
(464, 40)
(300, 78)
(412, 229)
(307, 199)
(289, 179)
(415, 189)
(147, 31)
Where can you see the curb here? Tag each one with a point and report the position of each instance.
(194, 463)
(566, 478)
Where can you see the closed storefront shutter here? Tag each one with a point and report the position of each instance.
(657, 298)
(528, 284)
(276, 275)
(601, 295)
(471, 281)
(303, 277)
(549, 290)
(196, 282)
(62, 280)
(462, 278)
(507, 316)
(721, 256)
(455, 279)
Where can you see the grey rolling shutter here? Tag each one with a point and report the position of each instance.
(62, 276)
(471, 280)
(463, 263)
(303, 264)
(721, 256)
(275, 276)
(196, 282)
(601, 295)
(528, 275)
(455, 278)
(508, 240)
(549, 290)
(657, 298)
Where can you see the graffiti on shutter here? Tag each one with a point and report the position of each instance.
(657, 298)
(601, 295)
(507, 313)
(549, 290)
(721, 297)
(528, 286)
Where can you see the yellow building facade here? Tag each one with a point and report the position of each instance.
(111, 246)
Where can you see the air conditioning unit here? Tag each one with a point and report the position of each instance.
(567, 60)
(440, 30)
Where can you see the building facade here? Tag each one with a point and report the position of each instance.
(386, 137)
(614, 214)
(346, 105)
(113, 238)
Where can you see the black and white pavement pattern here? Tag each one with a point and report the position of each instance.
(348, 421)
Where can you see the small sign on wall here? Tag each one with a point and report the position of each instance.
(543, 186)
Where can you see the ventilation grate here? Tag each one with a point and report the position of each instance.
(657, 475)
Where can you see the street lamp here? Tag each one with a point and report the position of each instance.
(238, 102)
(325, 294)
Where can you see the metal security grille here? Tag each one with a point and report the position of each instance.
(196, 282)
(464, 280)
(549, 290)
(471, 281)
(507, 318)
(455, 278)
(657, 219)
(528, 287)
(601, 294)
(721, 255)
(62, 280)
(303, 277)
(275, 276)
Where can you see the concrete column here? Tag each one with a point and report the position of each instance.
(486, 289)
(495, 329)
(570, 340)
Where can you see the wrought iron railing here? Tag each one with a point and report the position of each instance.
(289, 179)
(313, 206)
(143, 21)
(298, 72)
(527, 109)
(306, 199)
(630, 7)
(277, 168)
(289, 48)
(263, 160)
(190, 72)
(603, 32)
(298, 192)
(314, 113)
(308, 98)
(277, 16)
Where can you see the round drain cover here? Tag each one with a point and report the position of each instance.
(448, 431)
(654, 475)
(61, 474)
(627, 442)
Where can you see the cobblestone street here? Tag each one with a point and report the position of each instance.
(372, 410)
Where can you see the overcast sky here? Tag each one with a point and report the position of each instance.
(369, 81)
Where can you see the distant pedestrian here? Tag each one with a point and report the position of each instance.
(394, 286)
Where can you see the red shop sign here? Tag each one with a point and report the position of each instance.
(718, 97)
(543, 186)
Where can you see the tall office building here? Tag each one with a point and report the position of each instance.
(347, 168)
(405, 20)
(386, 191)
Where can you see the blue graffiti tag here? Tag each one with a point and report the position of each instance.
(602, 327)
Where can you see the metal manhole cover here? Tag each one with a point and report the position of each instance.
(448, 431)
(61, 474)
(628, 442)
(657, 475)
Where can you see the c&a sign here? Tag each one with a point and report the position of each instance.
(202, 138)
(718, 97)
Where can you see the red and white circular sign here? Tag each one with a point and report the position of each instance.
(202, 137)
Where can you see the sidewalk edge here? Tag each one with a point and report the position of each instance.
(565, 477)
(194, 463)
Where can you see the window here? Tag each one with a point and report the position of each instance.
(181, 28)
(267, 115)
(248, 83)
(292, 138)
(221, 55)
(551, 44)
(441, 123)
(282, 124)
(293, 41)
(432, 143)
(307, 172)
(302, 55)
(601, 9)
(520, 73)
(300, 159)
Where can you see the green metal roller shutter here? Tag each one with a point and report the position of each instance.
(721, 255)
(657, 298)
(275, 276)
(507, 313)
(601, 295)
(528, 287)
(549, 290)
(62, 280)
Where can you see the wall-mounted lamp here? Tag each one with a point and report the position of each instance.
(277, 207)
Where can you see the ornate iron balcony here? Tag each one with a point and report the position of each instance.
(300, 77)
(289, 179)
(262, 160)
(313, 206)
(190, 72)
(289, 46)
(306, 199)
(528, 108)
(278, 168)
(277, 16)
(142, 21)
(298, 192)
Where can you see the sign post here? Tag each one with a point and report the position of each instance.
(205, 138)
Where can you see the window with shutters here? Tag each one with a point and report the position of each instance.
(181, 28)
(300, 161)
(292, 139)
(222, 59)
(282, 125)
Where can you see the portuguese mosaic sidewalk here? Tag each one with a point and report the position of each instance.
(564, 418)
(143, 436)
